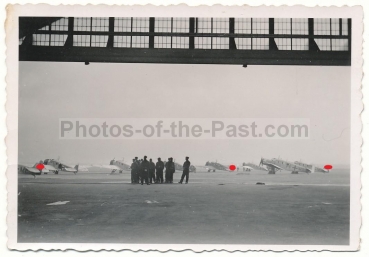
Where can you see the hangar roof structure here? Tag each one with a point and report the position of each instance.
(192, 40)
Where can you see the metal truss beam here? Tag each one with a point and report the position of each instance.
(168, 34)
(44, 49)
(183, 56)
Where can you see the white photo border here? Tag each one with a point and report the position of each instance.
(14, 11)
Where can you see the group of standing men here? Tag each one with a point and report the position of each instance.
(144, 171)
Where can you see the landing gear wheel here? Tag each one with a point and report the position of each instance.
(56, 172)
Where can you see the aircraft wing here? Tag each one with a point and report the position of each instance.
(67, 167)
(51, 168)
(273, 165)
(30, 169)
(320, 170)
(33, 170)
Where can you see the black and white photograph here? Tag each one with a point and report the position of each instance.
(184, 128)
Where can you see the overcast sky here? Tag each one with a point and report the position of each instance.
(49, 91)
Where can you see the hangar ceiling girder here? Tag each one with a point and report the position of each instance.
(223, 45)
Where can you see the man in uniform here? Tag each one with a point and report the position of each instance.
(137, 171)
(134, 168)
(159, 171)
(186, 170)
(167, 164)
(152, 171)
(167, 171)
(170, 169)
(145, 166)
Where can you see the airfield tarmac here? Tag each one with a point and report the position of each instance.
(214, 208)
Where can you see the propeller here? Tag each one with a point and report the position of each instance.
(261, 161)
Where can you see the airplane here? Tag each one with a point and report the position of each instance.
(56, 166)
(275, 165)
(312, 167)
(115, 165)
(247, 168)
(214, 166)
(251, 166)
(36, 169)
